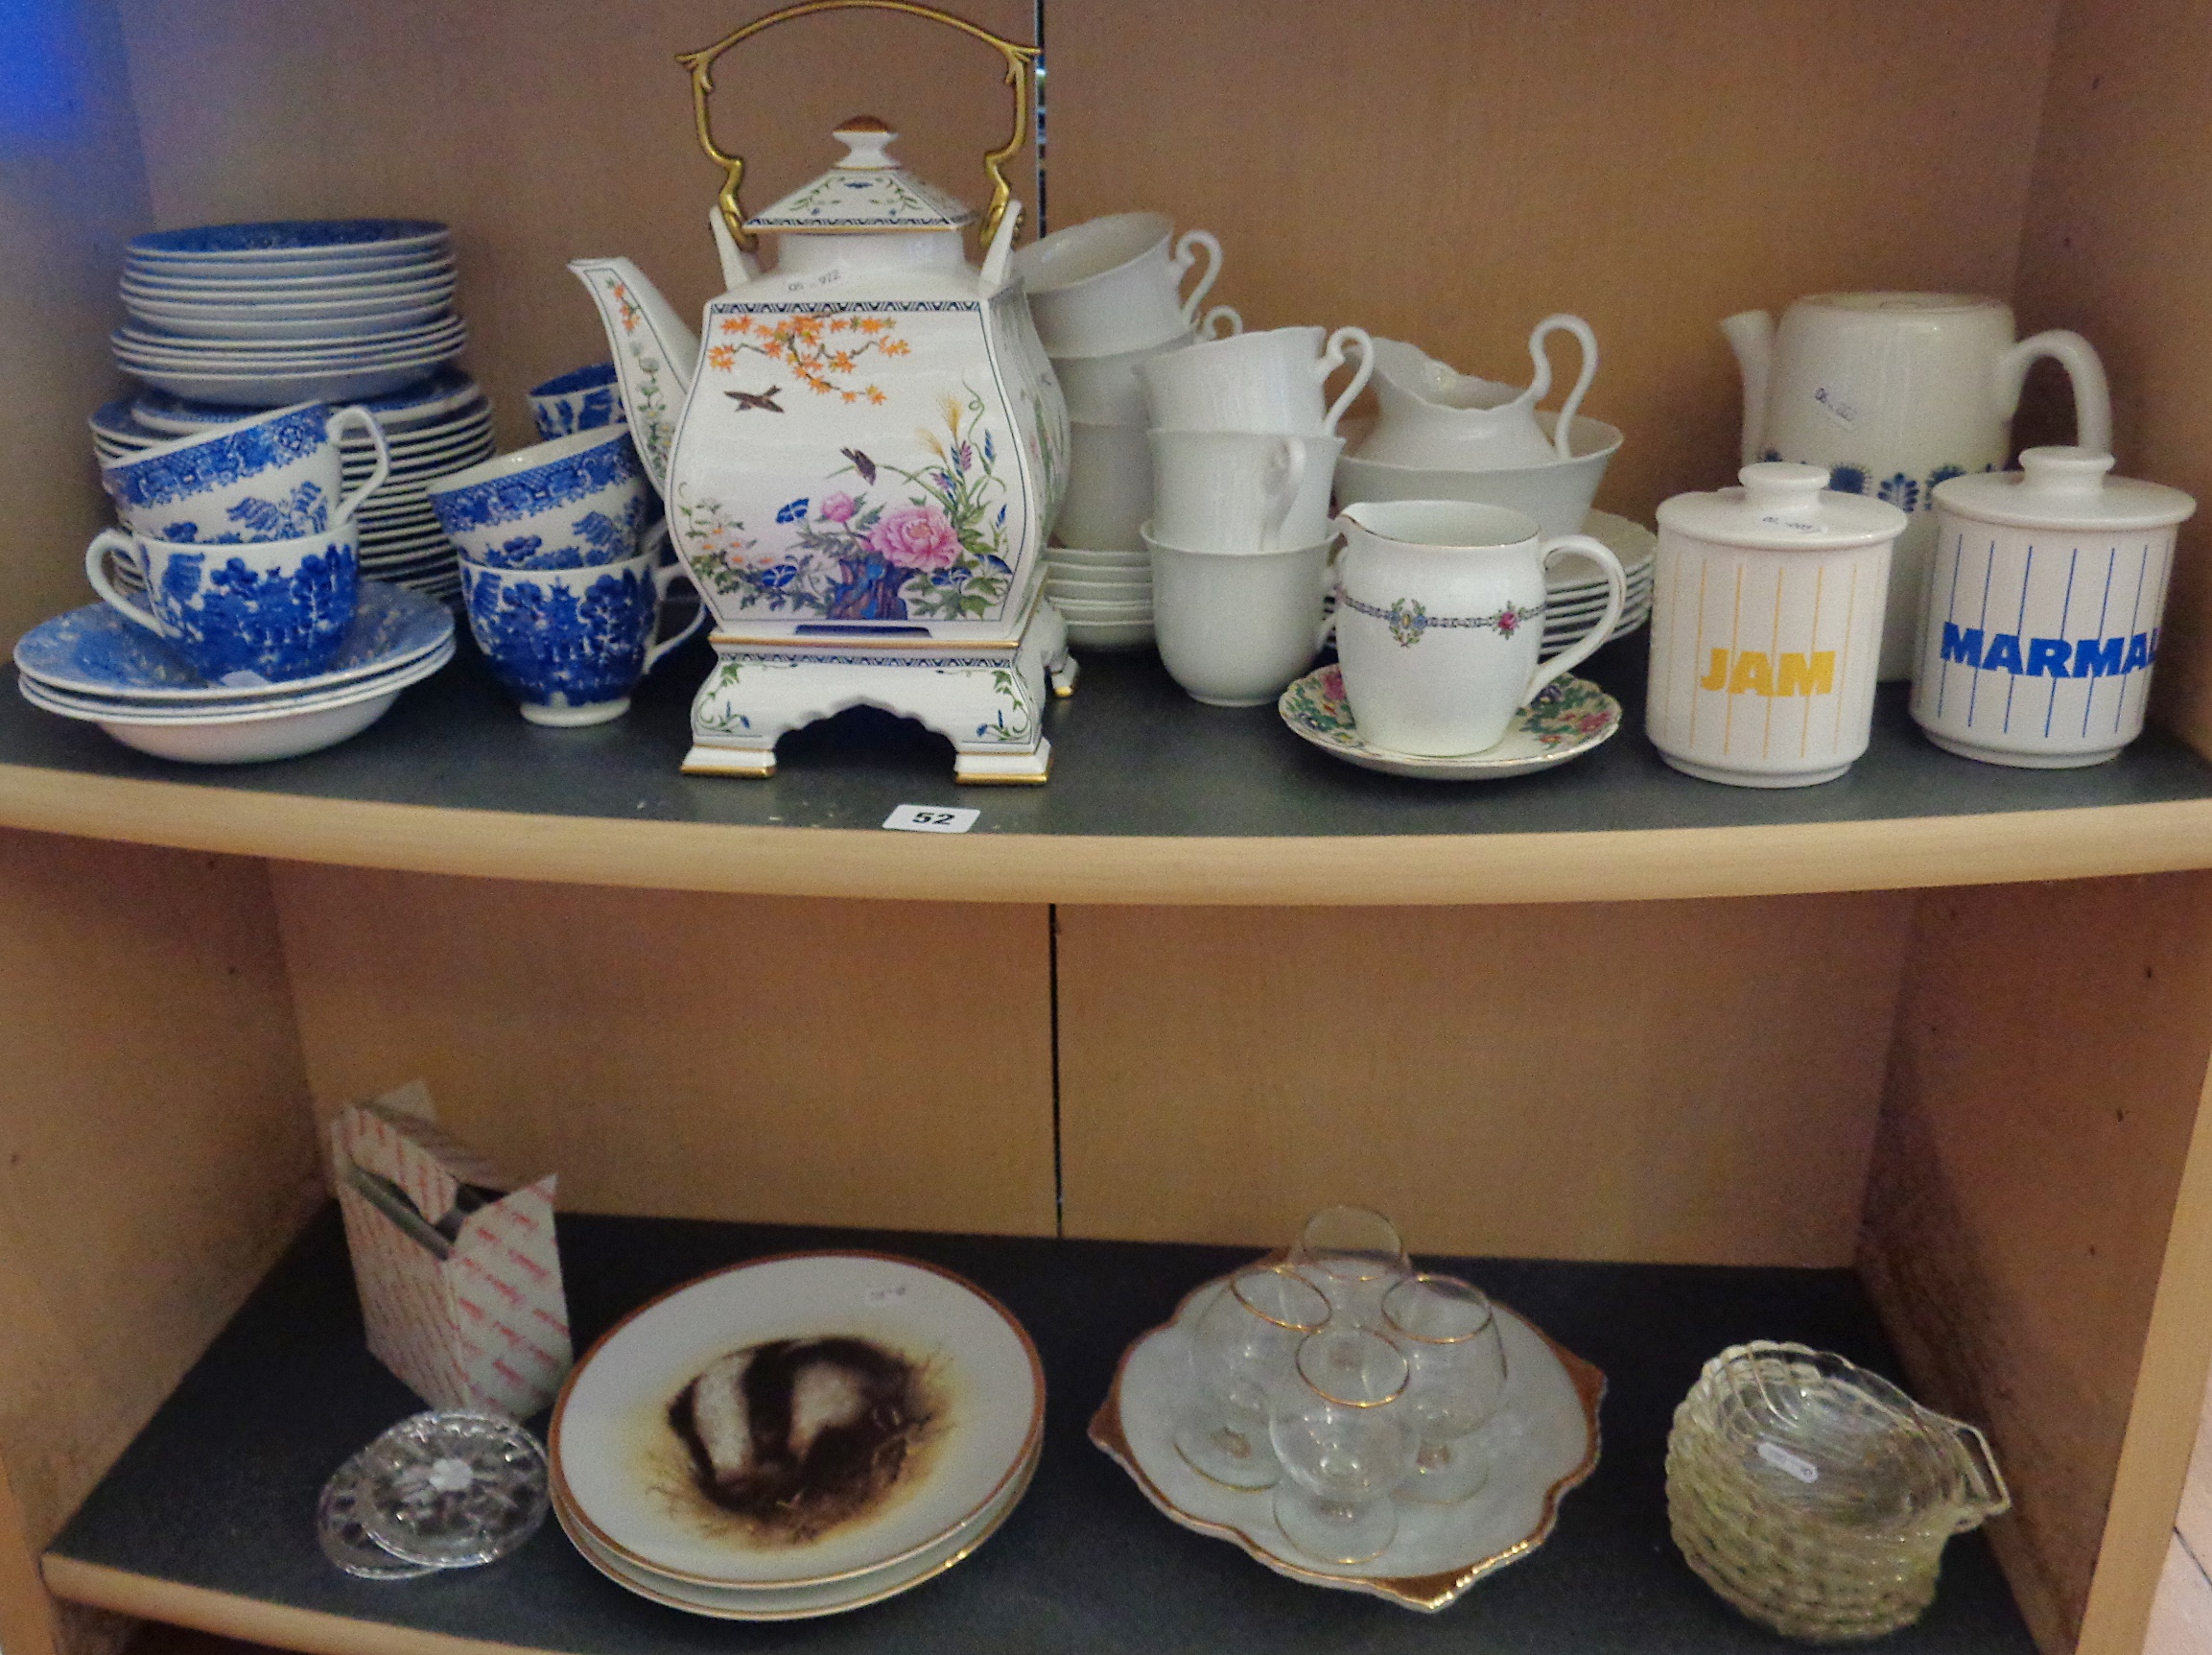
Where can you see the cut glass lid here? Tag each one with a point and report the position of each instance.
(866, 191)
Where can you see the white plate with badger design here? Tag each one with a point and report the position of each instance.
(796, 1421)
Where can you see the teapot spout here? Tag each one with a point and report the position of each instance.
(1751, 334)
(655, 354)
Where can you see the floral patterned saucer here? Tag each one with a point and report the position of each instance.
(1567, 720)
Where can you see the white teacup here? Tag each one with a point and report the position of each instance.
(1235, 628)
(1109, 487)
(273, 476)
(1241, 490)
(1109, 285)
(1105, 391)
(1269, 381)
(574, 503)
(1440, 616)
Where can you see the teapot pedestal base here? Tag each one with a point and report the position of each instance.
(987, 698)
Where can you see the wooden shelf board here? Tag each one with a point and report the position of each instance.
(207, 1519)
(1153, 799)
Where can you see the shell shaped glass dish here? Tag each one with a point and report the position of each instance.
(634, 1439)
(1543, 1440)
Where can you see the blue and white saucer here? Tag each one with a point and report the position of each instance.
(442, 392)
(95, 651)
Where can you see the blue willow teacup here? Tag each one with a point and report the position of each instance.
(582, 399)
(569, 504)
(274, 477)
(571, 644)
(267, 611)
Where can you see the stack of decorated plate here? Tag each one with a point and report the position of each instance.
(93, 665)
(434, 428)
(1106, 596)
(265, 314)
(797, 1437)
(1575, 596)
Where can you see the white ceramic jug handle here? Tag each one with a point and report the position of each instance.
(355, 415)
(1279, 498)
(665, 576)
(1615, 592)
(1187, 255)
(1220, 313)
(2092, 395)
(96, 571)
(1563, 322)
(1332, 359)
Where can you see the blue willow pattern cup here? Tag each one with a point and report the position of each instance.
(274, 477)
(571, 644)
(264, 612)
(567, 504)
(582, 399)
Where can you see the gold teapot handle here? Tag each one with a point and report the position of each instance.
(700, 63)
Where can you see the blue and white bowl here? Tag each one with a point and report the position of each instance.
(271, 478)
(266, 612)
(582, 399)
(571, 644)
(575, 503)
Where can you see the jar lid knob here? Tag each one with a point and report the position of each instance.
(2064, 473)
(1784, 488)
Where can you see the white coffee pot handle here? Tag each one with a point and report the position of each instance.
(355, 415)
(96, 571)
(1562, 322)
(2092, 394)
(1332, 358)
(1615, 592)
(1186, 255)
(664, 577)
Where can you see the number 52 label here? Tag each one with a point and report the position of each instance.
(931, 818)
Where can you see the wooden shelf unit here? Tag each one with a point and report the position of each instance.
(1964, 1049)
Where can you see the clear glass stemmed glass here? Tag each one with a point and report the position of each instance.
(1353, 1255)
(1345, 1442)
(1447, 1332)
(1242, 1349)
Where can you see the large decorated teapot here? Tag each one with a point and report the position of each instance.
(866, 441)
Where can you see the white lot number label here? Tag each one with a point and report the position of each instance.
(931, 819)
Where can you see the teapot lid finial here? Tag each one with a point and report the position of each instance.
(867, 142)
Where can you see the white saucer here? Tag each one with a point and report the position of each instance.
(1549, 731)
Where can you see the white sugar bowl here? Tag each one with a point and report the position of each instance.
(1767, 627)
(2043, 610)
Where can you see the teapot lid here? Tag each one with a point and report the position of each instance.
(867, 191)
(1782, 507)
(2063, 489)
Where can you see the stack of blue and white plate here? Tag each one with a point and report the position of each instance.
(434, 428)
(94, 665)
(265, 314)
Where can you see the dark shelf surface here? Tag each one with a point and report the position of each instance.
(1131, 756)
(220, 1491)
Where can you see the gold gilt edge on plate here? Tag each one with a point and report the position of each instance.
(1425, 1592)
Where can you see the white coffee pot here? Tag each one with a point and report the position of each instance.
(1895, 394)
(1430, 415)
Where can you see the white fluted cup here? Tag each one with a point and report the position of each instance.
(1275, 380)
(1235, 628)
(1105, 389)
(1112, 284)
(1109, 488)
(1241, 490)
(1438, 617)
